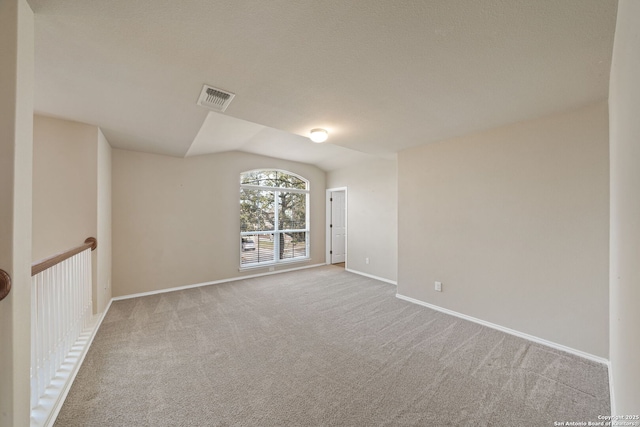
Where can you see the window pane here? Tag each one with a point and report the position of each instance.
(293, 211)
(257, 210)
(256, 248)
(293, 245)
(277, 202)
(271, 178)
(255, 177)
(290, 181)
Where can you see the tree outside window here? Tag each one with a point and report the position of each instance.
(274, 217)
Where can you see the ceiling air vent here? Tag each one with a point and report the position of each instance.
(214, 98)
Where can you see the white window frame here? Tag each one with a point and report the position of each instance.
(276, 232)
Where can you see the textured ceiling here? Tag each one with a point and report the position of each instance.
(221, 133)
(380, 75)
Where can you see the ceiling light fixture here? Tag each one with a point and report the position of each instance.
(318, 135)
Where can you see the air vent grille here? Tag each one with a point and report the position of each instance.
(214, 98)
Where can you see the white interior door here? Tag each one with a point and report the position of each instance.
(338, 227)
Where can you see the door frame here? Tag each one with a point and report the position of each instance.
(328, 224)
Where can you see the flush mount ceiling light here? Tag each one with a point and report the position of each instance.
(318, 135)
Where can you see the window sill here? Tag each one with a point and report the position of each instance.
(274, 265)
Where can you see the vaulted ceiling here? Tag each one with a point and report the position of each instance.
(381, 76)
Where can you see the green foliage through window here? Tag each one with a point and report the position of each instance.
(273, 217)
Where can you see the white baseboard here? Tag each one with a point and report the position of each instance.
(215, 282)
(46, 416)
(371, 276)
(49, 406)
(509, 331)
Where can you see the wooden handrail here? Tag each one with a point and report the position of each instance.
(43, 264)
(5, 284)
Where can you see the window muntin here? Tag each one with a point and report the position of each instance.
(274, 218)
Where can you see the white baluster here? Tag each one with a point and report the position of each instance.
(61, 309)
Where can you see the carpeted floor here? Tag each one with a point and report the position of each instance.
(319, 347)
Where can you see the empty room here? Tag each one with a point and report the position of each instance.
(319, 213)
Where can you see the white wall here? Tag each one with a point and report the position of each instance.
(16, 136)
(72, 195)
(103, 285)
(176, 221)
(64, 185)
(514, 221)
(372, 216)
(624, 108)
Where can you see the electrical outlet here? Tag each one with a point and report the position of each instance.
(438, 286)
(366, 260)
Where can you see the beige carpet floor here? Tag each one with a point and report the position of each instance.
(319, 347)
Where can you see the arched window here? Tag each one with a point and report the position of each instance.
(274, 218)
